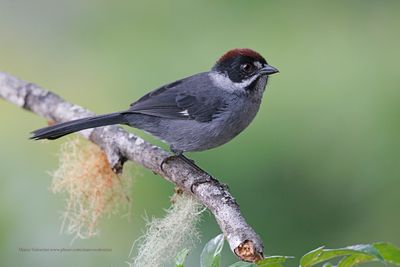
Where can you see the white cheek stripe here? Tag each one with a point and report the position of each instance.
(222, 81)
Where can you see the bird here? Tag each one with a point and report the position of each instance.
(196, 113)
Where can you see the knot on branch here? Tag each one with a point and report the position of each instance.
(247, 252)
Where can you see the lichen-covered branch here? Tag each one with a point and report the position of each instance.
(119, 146)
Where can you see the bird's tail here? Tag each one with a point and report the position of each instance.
(61, 129)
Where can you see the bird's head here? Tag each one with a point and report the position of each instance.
(240, 68)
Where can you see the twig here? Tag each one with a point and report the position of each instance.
(120, 146)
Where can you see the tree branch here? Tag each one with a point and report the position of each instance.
(120, 146)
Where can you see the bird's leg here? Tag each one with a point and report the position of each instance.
(167, 159)
(179, 154)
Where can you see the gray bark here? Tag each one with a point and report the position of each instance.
(120, 146)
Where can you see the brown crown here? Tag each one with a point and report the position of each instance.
(240, 52)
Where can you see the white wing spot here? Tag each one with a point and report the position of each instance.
(184, 112)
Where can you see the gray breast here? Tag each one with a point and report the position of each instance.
(195, 136)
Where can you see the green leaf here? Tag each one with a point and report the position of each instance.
(320, 254)
(389, 252)
(272, 261)
(355, 259)
(180, 258)
(311, 257)
(367, 249)
(211, 254)
(243, 264)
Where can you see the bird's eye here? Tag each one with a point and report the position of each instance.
(247, 67)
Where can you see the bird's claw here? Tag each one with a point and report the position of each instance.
(181, 157)
(166, 160)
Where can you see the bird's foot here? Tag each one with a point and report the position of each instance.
(166, 160)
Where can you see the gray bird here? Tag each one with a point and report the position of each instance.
(196, 113)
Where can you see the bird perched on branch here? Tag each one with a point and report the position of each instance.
(196, 113)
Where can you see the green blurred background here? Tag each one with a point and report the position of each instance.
(320, 165)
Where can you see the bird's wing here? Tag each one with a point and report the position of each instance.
(187, 99)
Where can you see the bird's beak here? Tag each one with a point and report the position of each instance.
(268, 70)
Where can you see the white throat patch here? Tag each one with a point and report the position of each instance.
(222, 81)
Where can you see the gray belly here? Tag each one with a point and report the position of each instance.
(190, 135)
